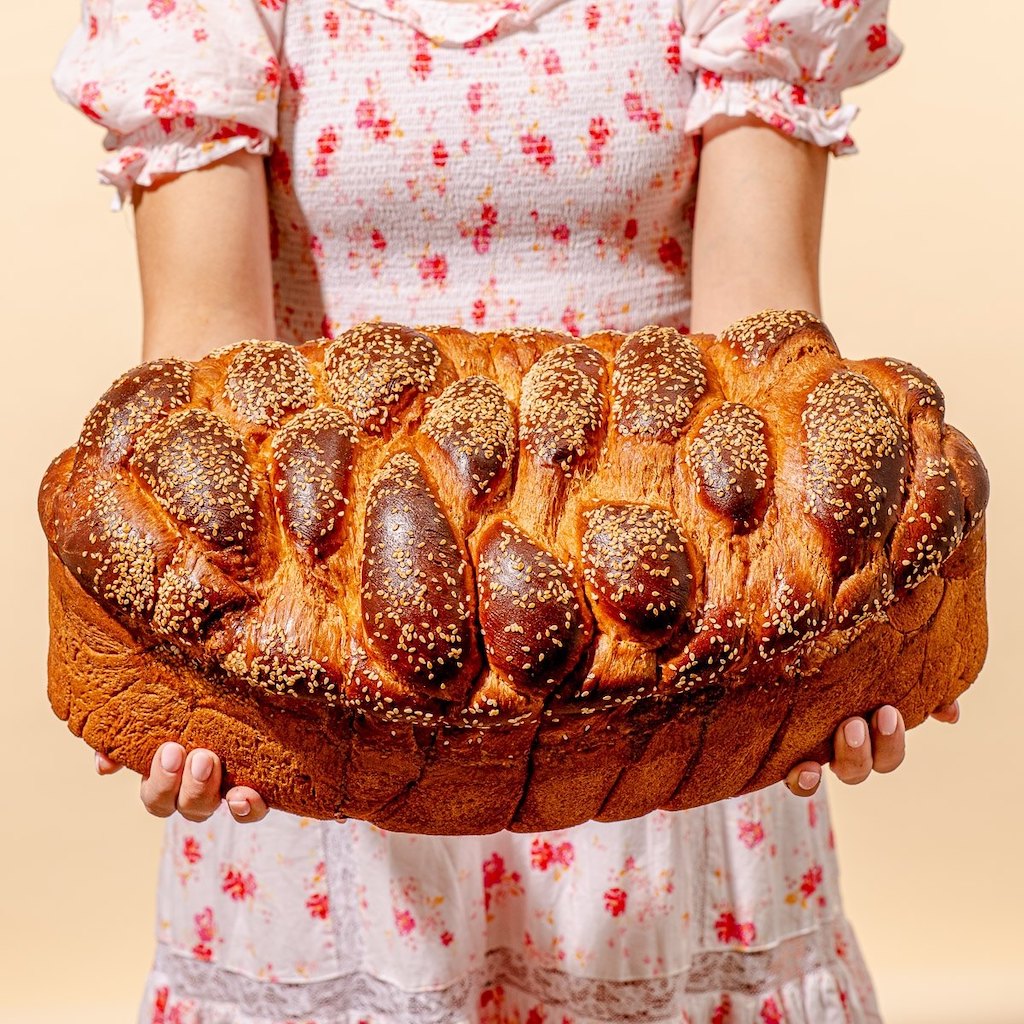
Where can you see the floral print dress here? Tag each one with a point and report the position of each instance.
(486, 164)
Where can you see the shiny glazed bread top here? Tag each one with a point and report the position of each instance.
(435, 525)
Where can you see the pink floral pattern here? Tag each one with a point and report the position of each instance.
(545, 856)
(486, 164)
(750, 833)
(206, 933)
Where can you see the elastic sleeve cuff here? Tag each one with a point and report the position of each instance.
(139, 157)
(813, 114)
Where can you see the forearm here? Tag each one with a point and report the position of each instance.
(204, 258)
(757, 228)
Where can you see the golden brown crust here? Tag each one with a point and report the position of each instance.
(617, 762)
(729, 459)
(512, 581)
(312, 458)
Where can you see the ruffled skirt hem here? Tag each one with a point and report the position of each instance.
(816, 978)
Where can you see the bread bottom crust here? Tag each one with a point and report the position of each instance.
(622, 762)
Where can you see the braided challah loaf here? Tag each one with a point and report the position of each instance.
(453, 582)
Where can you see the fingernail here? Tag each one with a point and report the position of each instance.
(240, 808)
(171, 758)
(202, 765)
(808, 779)
(887, 720)
(97, 760)
(855, 733)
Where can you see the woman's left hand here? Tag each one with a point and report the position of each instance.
(860, 748)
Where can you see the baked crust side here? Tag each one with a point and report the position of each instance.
(125, 700)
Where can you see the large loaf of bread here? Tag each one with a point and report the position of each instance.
(454, 582)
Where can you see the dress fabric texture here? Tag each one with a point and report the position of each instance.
(526, 162)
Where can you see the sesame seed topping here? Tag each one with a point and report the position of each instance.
(137, 399)
(120, 565)
(472, 422)
(417, 603)
(373, 366)
(788, 619)
(932, 526)
(313, 457)
(758, 337)
(416, 607)
(524, 586)
(923, 390)
(729, 459)
(198, 470)
(279, 666)
(635, 561)
(717, 643)
(266, 380)
(561, 406)
(856, 452)
(180, 604)
(659, 376)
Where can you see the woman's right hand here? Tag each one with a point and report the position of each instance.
(189, 785)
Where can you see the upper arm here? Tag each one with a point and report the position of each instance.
(204, 258)
(767, 85)
(757, 231)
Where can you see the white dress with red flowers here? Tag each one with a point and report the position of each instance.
(485, 164)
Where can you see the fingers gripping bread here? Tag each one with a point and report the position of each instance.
(453, 582)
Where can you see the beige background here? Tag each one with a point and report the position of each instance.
(922, 261)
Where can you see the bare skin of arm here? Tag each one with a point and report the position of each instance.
(204, 260)
(757, 236)
(203, 241)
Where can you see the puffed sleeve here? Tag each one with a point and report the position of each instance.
(785, 61)
(176, 84)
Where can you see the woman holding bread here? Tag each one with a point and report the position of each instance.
(298, 166)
